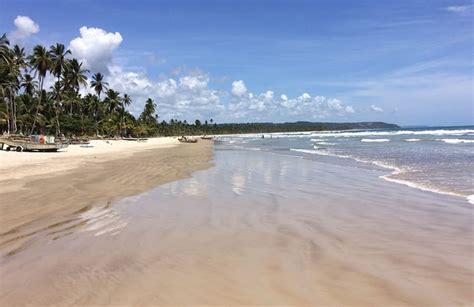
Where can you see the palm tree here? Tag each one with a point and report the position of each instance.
(58, 59)
(112, 101)
(10, 84)
(56, 96)
(74, 77)
(29, 84)
(148, 115)
(98, 83)
(5, 61)
(40, 62)
(126, 101)
(92, 105)
(4, 47)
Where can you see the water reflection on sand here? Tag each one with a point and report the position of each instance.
(257, 229)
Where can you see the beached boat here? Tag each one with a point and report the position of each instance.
(30, 143)
(135, 139)
(205, 137)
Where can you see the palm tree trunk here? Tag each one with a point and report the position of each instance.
(13, 112)
(37, 106)
(8, 115)
(58, 127)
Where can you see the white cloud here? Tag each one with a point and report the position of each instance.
(238, 88)
(188, 97)
(376, 109)
(25, 27)
(268, 95)
(196, 82)
(269, 107)
(459, 8)
(350, 110)
(95, 47)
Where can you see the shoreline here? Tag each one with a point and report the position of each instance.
(259, 229)
(392, 171)
(31, 204)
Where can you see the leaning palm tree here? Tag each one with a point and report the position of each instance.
(56, 96)
(98, 83)
(58, 59)
(40, 62)
(4, 47)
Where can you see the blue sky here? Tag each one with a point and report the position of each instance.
(408, 62)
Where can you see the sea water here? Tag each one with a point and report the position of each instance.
(438, 159)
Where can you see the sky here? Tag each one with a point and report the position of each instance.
(404, 62)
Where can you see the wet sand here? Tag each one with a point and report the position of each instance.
(31, 205)
(255, 229)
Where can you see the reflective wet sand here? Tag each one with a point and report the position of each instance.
(256, 229)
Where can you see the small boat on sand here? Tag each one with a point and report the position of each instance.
(135, 139)
(184, 139)
(205, 137)
(30, 143)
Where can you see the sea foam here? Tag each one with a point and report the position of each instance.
(398, 132)
(455, 141)
(374, 140)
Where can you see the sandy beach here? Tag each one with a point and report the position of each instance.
(255, 229)
(38, 190)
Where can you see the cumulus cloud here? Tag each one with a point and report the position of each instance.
(24, 27)
(376, 109)
(267, 106)
(238, 88)
(95, 47)
(186, 97)
(350, 110)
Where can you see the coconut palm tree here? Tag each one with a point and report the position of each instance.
(10, 83)
(5, 60)
(29, 84)
(57, 97)
(40, 62)
(148, 115)
(92, 106)
(98, 83)
(126, 101)
(4, 48)
(112, 101)
(74, 77)
(58, 59)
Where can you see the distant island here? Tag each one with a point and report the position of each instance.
(296, 126)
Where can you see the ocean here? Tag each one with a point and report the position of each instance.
(437, 159)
